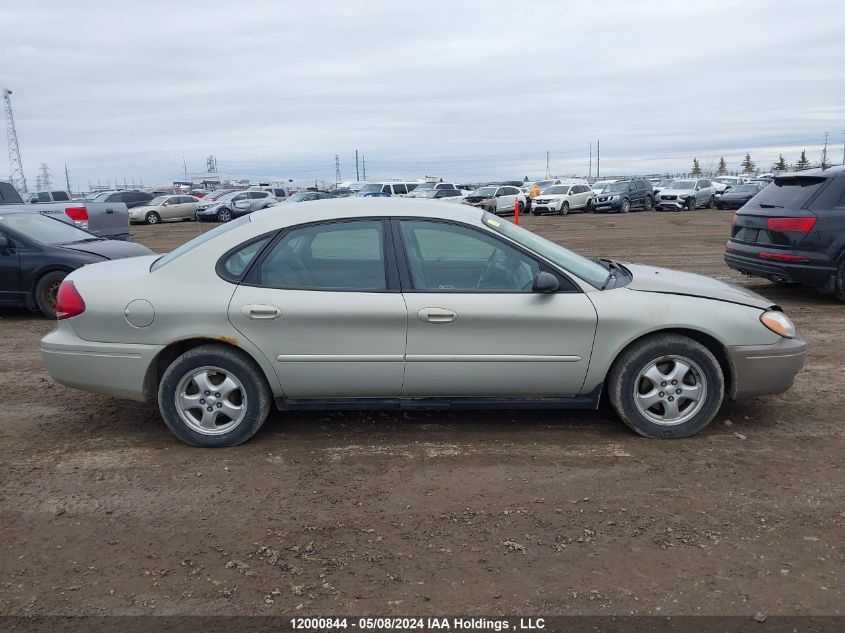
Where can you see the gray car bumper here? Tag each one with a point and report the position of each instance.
(761, 370)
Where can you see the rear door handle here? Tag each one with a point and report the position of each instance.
(437, 315)
(261, 311)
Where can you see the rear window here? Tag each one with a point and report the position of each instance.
(9, 195)
(198, 241)
(788, 193)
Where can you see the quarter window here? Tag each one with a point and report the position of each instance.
(336, 256)
(237, 263)
(448, 258)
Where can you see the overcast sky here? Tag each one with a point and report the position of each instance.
(463, 90)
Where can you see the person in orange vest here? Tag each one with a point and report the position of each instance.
(534, 191)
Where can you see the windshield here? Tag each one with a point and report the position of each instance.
(545, 183)
(483, 192)
(431, 193)
(615, 186)
(216, 195)
(198, 241)
(298, 197)
(424, 186)
(683, 184)
(557, 189)
(586, 269)
(745, 189)
(102, 196)
(374, 188)
(665, 183)
(157, 201)
(725, 181)
(45, 230)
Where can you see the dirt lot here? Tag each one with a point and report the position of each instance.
(102, 511)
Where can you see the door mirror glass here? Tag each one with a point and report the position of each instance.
(545, 282)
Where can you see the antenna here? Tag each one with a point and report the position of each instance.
(824, 151)
(364, 166)
(16, 176)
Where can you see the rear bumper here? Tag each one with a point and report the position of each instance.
(761, 370)
(815, 274)
(111, 369)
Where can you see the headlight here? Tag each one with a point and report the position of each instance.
(778, 323)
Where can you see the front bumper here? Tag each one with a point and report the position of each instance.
(606, 205)
(111, 369)
(761, 370)
(677, 203)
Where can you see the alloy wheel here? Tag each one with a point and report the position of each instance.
(670, 390)
(210, 400)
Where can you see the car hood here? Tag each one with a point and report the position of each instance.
(737, 195)
(551, 196)
(110, 249)
(665, 280)
(678, 192)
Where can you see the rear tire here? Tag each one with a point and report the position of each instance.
(237, 394)
(521, 207)
(839, 282)
(45, 292)
(637, 379)
(152, 218)
(649, 203)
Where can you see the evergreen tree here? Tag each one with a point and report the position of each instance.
(723, 166)
(748, 165)
(802, 163)
(780, 165)
(696, 168)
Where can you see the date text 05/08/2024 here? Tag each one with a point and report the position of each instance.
(417, 624)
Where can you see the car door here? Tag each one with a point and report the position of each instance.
(475, 327)
(323, 304)
(169, 209)
(507, 199)
(10, 273)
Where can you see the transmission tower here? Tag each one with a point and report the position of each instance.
(46, 185)
(337, 169)
(16, 176)
(211, 164)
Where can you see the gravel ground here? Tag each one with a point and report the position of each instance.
(103, 512)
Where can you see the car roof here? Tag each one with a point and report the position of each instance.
(346, 208)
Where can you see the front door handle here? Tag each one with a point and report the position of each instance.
(261, 312)
(437, 315)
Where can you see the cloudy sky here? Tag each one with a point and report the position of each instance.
(464, 90)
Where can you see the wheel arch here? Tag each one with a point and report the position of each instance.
(173, 350)
(713, 345)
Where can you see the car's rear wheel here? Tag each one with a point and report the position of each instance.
(590, 206)
(46, 290)
(213, 396)
(224, 215)
(626, 206)
(152, 218)
(839, 282)
(666, 386)
(564, 208)
(649, 203)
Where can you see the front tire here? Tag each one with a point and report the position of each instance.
(214, 396)
(521, 207)
(46, 290)
(152, 218)
(224, 215)
(711, 203)
(666, 386)
(839, 282)
(626, 206)
(691, 204)
(564, 208)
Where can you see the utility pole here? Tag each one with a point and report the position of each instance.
(548, 171)
(598, 158)
(824, 151)
(590, 173)
(46, 185)
(336, 169)
(184, 169)
(364, 167)
(67, 181)
(357, 174)
(16, 176)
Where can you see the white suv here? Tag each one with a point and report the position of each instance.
(563, 198)
(687, 194)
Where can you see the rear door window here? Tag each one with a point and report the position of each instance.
(60, 196)
(400, 189)
(793, 192)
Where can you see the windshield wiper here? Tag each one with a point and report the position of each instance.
(87, 239)
(763, 205)
(612, 266)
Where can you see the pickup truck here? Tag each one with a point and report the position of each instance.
(104, 219)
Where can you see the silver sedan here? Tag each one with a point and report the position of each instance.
(406, 304)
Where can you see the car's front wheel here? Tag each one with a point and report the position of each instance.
(224, 215)
(564, 208)
(691, 203)
(152, 218)
(666, 386)
(626, 206)
(213, 396)
(46, 291)
(839, 282)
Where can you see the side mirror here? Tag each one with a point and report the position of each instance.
(4, 245)
(545, 282)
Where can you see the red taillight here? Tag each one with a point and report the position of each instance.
(782, 257)
(69, 302)
(733, 222)
(791, 225)
(77, 214)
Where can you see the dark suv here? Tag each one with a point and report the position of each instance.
(793, 231)
(130, 198)
(624, 195)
